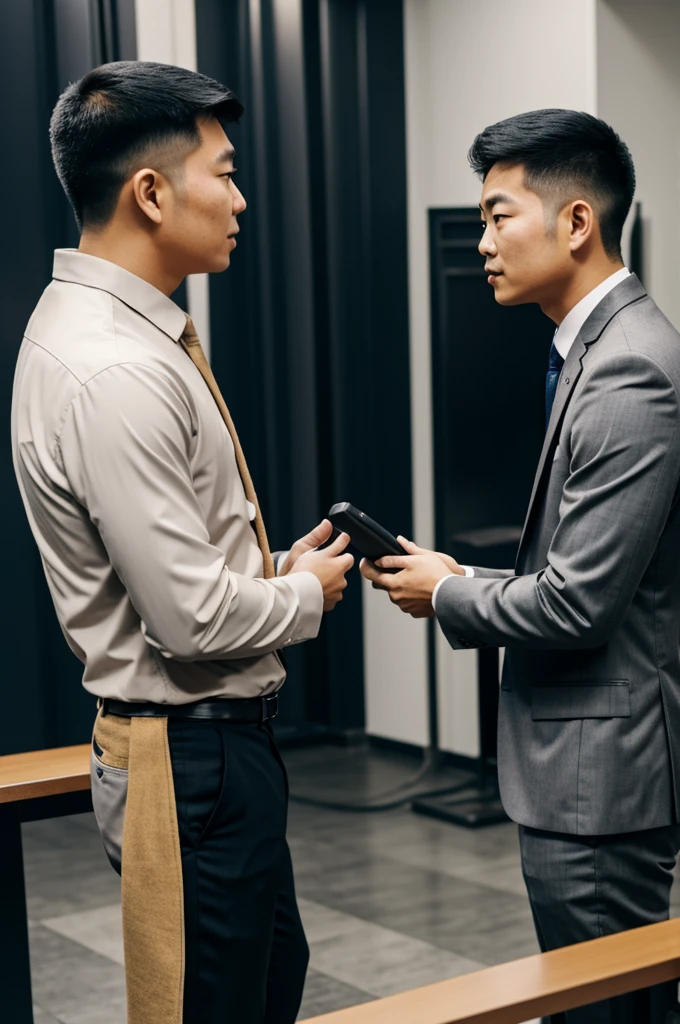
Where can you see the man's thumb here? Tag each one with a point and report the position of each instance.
(320, 533)
(409, 547)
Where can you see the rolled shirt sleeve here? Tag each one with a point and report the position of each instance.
(126, 448)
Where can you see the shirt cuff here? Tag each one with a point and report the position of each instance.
(310, 606)
(469, 571)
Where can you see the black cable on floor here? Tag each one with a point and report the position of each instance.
(368, 805)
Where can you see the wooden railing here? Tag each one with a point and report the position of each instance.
(538, 985)
(44, 773)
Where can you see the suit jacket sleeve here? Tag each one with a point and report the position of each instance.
(624, 450)
(125, 445)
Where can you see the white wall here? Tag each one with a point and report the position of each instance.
(166, 33)
(639, 95)
(468, 63)
(395, 671)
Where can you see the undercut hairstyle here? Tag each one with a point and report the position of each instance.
(566, 155)
(124, 116)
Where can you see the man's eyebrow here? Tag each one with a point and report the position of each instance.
(494, 200)
(226, 156)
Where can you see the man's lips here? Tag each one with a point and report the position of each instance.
(493, 274)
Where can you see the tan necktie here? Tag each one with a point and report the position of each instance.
(191, 344)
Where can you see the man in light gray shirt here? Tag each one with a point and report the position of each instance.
(588, 757)
(148, 525)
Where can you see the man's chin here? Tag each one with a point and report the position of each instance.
(506, 295)
(219, 264)
(214, 264)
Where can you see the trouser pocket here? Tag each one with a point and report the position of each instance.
(109, 795)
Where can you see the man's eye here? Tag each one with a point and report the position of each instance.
(229, 175)
(498, 216)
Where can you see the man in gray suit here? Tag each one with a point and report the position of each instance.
(588, 754)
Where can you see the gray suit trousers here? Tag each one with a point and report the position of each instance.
(582, 887)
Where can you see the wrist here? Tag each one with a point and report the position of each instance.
(451, 563)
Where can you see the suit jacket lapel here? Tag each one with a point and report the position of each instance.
(623, 295)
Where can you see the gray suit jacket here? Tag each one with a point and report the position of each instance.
(589, 728)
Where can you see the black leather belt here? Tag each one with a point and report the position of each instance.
(250, 709)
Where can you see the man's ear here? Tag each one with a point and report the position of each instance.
(582, 224)
(149, 189)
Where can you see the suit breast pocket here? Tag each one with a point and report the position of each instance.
(610, 699)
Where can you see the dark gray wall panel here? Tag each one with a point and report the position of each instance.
(43, 46)
(310, 323)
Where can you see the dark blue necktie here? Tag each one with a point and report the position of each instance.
(551, 378)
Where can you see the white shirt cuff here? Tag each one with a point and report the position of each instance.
(469, 571)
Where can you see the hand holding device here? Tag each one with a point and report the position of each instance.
(418, 572)
(329, 565)
(369, 538)
(321, 536)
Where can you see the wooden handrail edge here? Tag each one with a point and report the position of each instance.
(14, 793)
(535, 986)
(40, 773)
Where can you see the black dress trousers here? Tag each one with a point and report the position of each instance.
(246, 952)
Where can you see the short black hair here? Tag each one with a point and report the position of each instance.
(121, 115)
(565, 152)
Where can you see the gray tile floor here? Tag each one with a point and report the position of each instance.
(390, 901)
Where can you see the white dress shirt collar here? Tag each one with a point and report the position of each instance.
(574, 320)
(81, 268)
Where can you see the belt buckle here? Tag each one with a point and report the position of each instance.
(273, 701)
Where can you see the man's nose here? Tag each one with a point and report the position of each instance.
(487, 245)
(239, 201)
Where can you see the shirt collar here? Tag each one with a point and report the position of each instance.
(93, 272)
(565, 336)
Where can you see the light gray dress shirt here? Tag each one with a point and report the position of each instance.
(131, 487)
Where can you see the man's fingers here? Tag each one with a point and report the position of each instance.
(380, 580)
(393, 561)
(346, 561)
(338, 545)
(368, 570)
